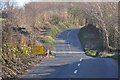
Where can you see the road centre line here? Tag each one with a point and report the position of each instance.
(80, 59)
(78, 64)
(75, 71)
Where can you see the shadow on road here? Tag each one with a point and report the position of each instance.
(89, 68)
(91, 37)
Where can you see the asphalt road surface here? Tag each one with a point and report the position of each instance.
(71, 62)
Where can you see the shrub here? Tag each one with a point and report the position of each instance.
(90, 52)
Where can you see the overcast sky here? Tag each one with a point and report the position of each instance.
(22, 2)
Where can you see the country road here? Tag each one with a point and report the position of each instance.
(71, 62)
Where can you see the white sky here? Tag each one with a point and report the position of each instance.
(21, 2)
(76, 0)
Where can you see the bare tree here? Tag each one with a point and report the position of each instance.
(104, 15)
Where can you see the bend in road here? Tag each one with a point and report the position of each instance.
(71, 62)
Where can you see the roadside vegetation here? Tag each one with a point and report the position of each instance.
(100, 37)
(92, 42)
(18, 61)
(56, 29)
(98, 53)
(29, 26)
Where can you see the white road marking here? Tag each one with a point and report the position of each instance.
(60, 41)
(80, 59)
(40, 74)
(68, 38)
(79, 64)
(75, 71)
(67, 52)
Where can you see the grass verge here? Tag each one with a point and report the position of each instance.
(97, 53)
(90, 52)
(54, 31)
